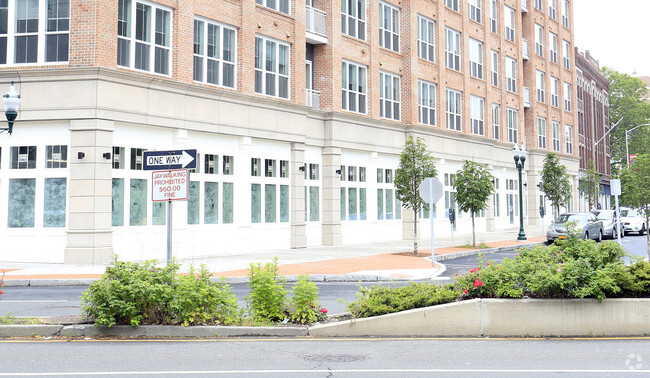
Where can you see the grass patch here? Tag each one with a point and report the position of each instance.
(12, 320)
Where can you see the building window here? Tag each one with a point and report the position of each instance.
(567, 97)
(117, 160)
(211, 164)
(556, 135)
(509, 20)
(228, 165)
(284, 168)
(539, 40)
(354, 87)
(454, 110)
(568, 138)
(270, 168)
(194, 203)
(144, 41)
(136, 158)
(117, 204)
(228, 202)
(541, 132)
(214, 53)
(22, 195)
(565, 13)
(475, 11)
(494, 26)
(538, 5)
(566, 54)
(452, 49)
(476, 58)
(255, 167)
(555, 90)
(552, 46)
(512, 125)
(138, 203)
(56, 156)
(540, 83)
(271, 67)
(388, 27)
(278, 5)
(511, 74)
(552, 9)
(477, 115)
(426, 39)
(23, 157)
(453, 4)
(211, 202)
(495, 67)
(427, 103)
(496, 121)
(353, 18)
(389, 96)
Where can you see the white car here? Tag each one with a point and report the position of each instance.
(633, 221)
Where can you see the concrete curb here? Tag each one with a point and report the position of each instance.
(451, 256)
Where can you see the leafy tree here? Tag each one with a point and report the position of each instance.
(474, 185)
(635, 188)
(590, 184)
(555, 182)
(416, 163)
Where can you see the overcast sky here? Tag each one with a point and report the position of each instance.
(616, 33)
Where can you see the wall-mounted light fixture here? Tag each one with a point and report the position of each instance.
(338, 171)
(301, 168)
(107, 155)
(80, 155)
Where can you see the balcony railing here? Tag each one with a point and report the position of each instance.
(526, 97)
(316, 21)
(313, 99)
(524, 49)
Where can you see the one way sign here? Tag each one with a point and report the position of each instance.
(163, 160)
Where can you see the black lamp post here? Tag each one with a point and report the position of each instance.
(11, 101)
(519, 154)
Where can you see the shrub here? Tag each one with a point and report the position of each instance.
(304, 305)
(637, 282)
(266, 301)
(380, 300)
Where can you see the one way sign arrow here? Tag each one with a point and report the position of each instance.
(175, 159)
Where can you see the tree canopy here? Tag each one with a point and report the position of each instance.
(635, 188)
(590, 184)
(555, 184)
(473, 185)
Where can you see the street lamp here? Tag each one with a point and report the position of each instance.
(11, 100)
(520, 153)
(627, 150)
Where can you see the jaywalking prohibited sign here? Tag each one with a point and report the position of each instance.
(170, 185)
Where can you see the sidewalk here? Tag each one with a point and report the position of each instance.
(364, 262)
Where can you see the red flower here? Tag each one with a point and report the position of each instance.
(488, 264)
(478, 283)
(465, 291)
(2, 292)
(323, 310)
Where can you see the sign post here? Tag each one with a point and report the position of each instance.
(616, 191)
(431, 191)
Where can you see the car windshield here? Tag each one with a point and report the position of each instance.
(578, 218)
(605, 215)
(629, 213)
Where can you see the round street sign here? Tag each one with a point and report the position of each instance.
(430, 190)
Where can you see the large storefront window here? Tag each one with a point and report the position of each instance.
(138, 203)
(193, 203)
(118, 202)
(211, 204)
(21, 202)
(54, 203)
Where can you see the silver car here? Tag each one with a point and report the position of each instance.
(609, 223)
(587, 223)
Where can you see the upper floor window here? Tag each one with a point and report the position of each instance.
(541, 132)
(389, 96)
(452, 48)
(144, 41)
(476, 58)
(565, 13)
(426, 39)
(354, 87)
(552, 9)
(540, 84)
(539, 40)
(511, 74)
(34, 31)
(556, 136)
(496, 121)
(538, 5)
(566, 54)
(454, 110)
(214, 53)
(509, 20)
(512, 125)
(271, 67)
(552, 46)
(353, 18)
(475, 10)
(388, 27)
(555, 90)
(567, 97)
(495, 68)
(493, 16)
(477, 115)
(568, 138)
(453, 4)
(426, 103)
(278, 5)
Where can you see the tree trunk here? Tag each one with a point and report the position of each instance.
(415, 232)
(473, 232)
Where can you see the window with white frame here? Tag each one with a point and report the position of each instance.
(555, 126)
(214, 53)
(278, 5)
(56, 156)
(566, 54)
(453, 4)
(494, 26)
(477, 111)
(426, 38)
(540, 85)
(568, 139)
(511, 74)
(494, 67)
(388, 26)
(144, 36)
(353, 193)
(539, 40)
(353, 18)
(496, 121)
(565, 13)
(552, 9)
(538, 5)
(475, 10)
(388, 207)
(426, 103)
(512, 123)
(389, 96)
(452, 48)
(567, 97)
(552, 46)
(268, 191)
(509, 21)
(34, 31)
(22, 157)
(476, 58)
(541, 132)
(271, 67)
(555, 90)
(354, 91)
(454, 110)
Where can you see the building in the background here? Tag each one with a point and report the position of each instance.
(298, 110)
(593, 124)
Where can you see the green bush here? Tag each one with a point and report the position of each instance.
(266, 301)
(637, 282)
(380, 300)
(304, 305)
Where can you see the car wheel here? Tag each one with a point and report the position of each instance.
(600, 237)
(586, 235)
(643, 230)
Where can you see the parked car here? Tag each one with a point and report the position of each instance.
(633, 221)
(587, 223)
(609, 223)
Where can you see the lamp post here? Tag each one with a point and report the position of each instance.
(519, 154)
(627, 150)
(11, 101)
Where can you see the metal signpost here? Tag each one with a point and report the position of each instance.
(615, 185)
(170, 180)
(431, 191)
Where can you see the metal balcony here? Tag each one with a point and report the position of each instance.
(316, 26)
(313, 99)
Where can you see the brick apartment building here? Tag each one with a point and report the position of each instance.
(298, 110)
(593, 124)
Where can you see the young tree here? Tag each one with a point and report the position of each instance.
(590, 184)
(474, 185)
(416, 164)
(635, 189)
(555, 182)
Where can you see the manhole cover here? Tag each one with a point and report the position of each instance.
(335, 358)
